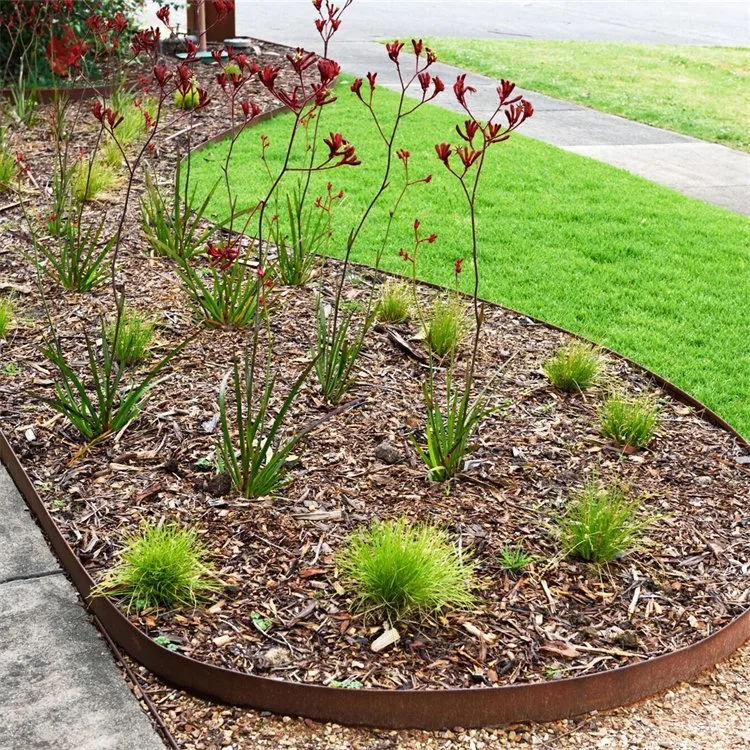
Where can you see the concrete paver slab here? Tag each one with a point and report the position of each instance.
(58, 685)
(23, 551)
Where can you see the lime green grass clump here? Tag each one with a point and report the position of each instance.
(403, 571)
(161, 566)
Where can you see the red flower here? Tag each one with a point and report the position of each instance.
(404, 155)
(431, 238)
(467, 156)
(161, 74)
(97, 110)
(222, 256)
(328, 70)
(394, 49)
(443, 151)
(301, 60)
(460, 89)
(65, 52)
(339, 147)
(371, 80)
(471, 127)
(356, 87)
(268, 76)
(504, 90)
(457, 265)
(250, 109)
(417, 47)
(163, 14)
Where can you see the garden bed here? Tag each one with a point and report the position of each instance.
(284, 612)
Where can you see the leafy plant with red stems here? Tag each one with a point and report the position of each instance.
(114, 402)
(450, 426)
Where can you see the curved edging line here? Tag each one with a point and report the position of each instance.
(73, 93)
(424, 709)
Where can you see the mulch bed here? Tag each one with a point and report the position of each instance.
(284, 613)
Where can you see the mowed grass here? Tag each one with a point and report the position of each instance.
(699, 91)
(655, 275)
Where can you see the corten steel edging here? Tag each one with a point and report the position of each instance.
(428, 709)
(74, 93)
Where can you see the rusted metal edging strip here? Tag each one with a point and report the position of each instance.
(428, 709)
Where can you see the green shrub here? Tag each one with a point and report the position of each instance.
(514, 560)
(600, 524)
(403, 571)
(90, 178)
(446, 326)
(573, 368)
(6, 316)
(394, 304)
(161, 566)
(629, 422)
(133, 338)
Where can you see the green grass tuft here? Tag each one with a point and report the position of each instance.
(601, 524)
(402, 571)
(161, 566)
(6, 316)
(514, 560)
(189, 100)
(85, 186)
(134, 338)
(8, 167)
(660, 277)
(630, 422)
(446, 325)
(395, 301)
(573, 368)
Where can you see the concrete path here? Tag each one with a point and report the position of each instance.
(59, 687)
(707, 171)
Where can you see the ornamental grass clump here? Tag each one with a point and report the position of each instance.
(6, 316)
(574, 367)
(446, 326)
(160, 566)
(630, 422)
(8, 166)
(133, 339)
(91, 177)
(601, 524)
(401, 571)
(394, 303)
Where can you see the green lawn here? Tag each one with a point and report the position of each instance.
(700, 91)
(660, 277)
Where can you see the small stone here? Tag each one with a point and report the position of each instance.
(276, 657)
(390, 636)
(627, 639)
(387, 453)
(704, 481)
